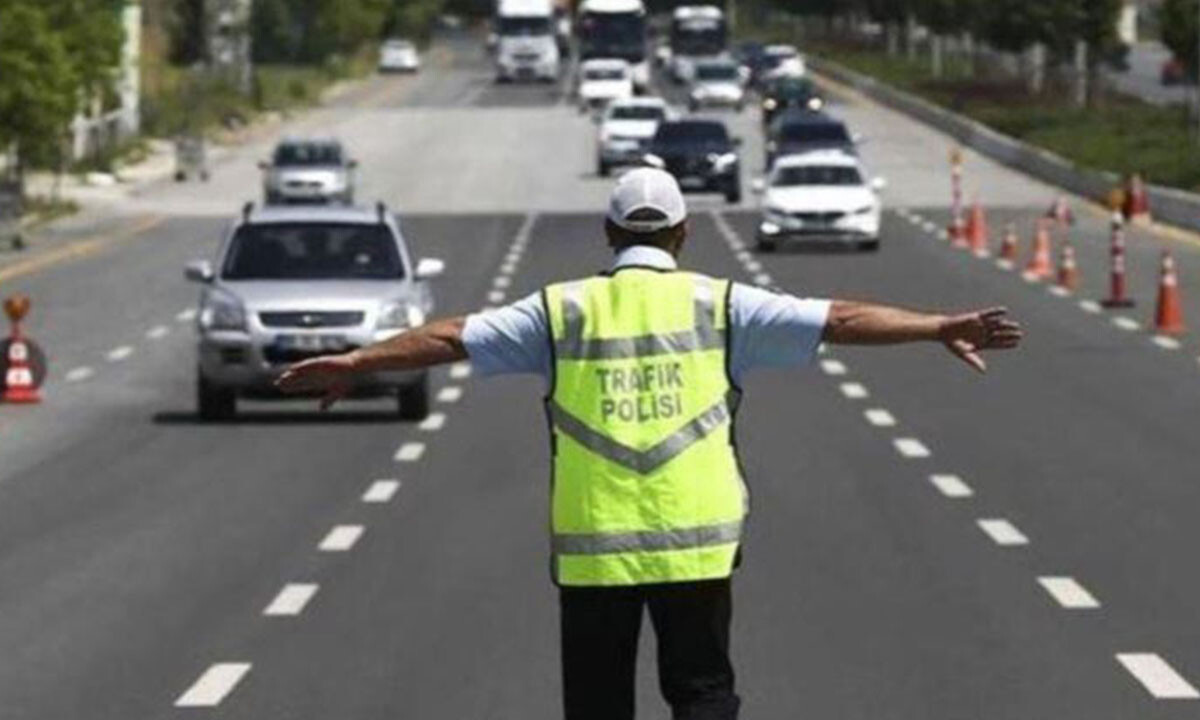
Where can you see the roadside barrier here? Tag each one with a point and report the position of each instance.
(1040, 266)
(1117, 297)
(24, 363)
(1068, 270)
(1168, 315)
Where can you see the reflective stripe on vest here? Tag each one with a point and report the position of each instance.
(647, 488)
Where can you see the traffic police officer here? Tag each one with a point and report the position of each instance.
(643, 363)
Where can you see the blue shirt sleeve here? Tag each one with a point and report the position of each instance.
(770, 329)
(511, 339)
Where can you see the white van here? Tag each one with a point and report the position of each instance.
(526, 47)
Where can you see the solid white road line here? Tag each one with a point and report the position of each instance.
(186, 315)
(341, 538)
(1166, 342)
(381, 491)
(118, 354)
(78, 374)
(157, 332)
(433, 422)
(1069, 593)
(1090, 306)
(854, 391)
(212, 687)
(449, 394)
(1125, 323)
(1002, 532)
(880, 417)
(911, 448)
(461, 370)
(952, 486)
(833, 367)
(410, 452)
(291, 599)
(1159, 678)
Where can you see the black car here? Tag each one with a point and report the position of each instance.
(801, 131)
(785, 94)
(700, 154)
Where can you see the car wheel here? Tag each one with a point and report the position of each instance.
(414, 400)
(214, 403)
(693, 106)
(869, 245)
(602, 168)
(765, 245)
(734, 194)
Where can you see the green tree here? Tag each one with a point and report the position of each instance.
(93, 37)
(38, 84)
(1178, 19)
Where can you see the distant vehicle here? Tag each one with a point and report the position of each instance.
(614, 29)
(700, 154)
(398, 56)
(801, 131)
(786, 94)
(716, 83)
(626, 130)
(777, 61)
(698, 32)
(562, 29)
(603, 81)
(526, 48)
(294, 283)
(819, 195)
(308, 171)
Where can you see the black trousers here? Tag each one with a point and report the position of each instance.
(600, 627)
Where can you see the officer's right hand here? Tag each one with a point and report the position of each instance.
(331, 375)
(966, 335)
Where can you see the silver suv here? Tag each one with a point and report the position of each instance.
(308, 171)
(294, 283)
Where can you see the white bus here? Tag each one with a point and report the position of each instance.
(614, 29)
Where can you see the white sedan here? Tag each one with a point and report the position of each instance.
(626, 129)
(399, 56)
(603, 81)
(821, 195)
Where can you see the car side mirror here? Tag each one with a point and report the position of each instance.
(736, 142)
(654, 161)
(878, 183)
(758, 186)
(199, 271)
(352, 164)
(430, 268)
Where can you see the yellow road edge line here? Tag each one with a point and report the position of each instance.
(77, 249)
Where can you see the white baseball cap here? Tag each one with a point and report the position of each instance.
(646, 200)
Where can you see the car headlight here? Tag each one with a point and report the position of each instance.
(400, 315)
(220, 310)
(723, 161)
(769, 104)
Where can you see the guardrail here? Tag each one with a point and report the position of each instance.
(1175, 207)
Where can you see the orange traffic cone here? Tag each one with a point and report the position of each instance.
(19, 385)
(1068, 271)
(1168, 316)
(1040, 265)
(1008, 245)
(977, 231)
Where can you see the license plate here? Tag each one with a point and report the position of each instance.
(311, 343)
(691, 182)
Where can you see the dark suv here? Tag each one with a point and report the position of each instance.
(800, 131)
(789, 93)
(700, 154)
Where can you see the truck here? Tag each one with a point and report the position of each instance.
(526, 47)
(614, 29)
(697, 31)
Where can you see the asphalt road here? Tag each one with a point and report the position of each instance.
(910, 518)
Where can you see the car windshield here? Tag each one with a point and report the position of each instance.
(691, 133)
(636, 112)
(716, 72)
(816, 175)
(814, 132)
(792, 87)
(523, 26)
(604, 74)
(313, 251)
(398, 45)
(301, 154)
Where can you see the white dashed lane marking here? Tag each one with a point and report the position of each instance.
(458, 371)
(952, 486)
(1069, 593)
(496, 296)
(410, 452)
(449, 394)
(911, 448)
(78, 374)
(118, 354)
(381, 491)
(1157, 676)
(157, 332)
(502, 282)
(291, 600)
(1126, 323)
(1002, 532)
(1166, 343)
(762, 279)
(1058, 291)
(212, 687)
(186, 315)
(754, 266)
(879, 417)
(433, 423)
(854, 391)
(833, 367)
(1005, 264)
(1090, 306)
(341, 538)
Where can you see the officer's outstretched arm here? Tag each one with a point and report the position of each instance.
(965, 335)
(437, 343)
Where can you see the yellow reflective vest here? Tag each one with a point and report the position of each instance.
(647, 487)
